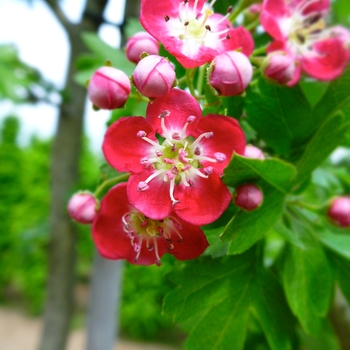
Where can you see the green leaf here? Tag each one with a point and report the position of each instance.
(281, 115)
(342, 267)
(275, 321)
(274, 171)
(234, 105)
(338, 243)
(289, 235)
(246, 228)
(323, 142)
(104, 52)
(336, 98)
(307, 280)
(218, 296)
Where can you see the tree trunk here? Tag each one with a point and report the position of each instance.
(65, 173)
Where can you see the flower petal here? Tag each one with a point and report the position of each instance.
(239, 38)
(121, 146)
(327, 60)
(204, 202)
(154, 202)
(107, 229)
(228, 138)
(180, 104)
(193, 242)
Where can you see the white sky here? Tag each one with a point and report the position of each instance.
(42, 43)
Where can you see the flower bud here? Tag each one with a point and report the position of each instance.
(139, 43)
(230, 73)
(253, 152)
(154, 76)
(248, 197)
(82, 207)
(109, 88)
(339, 211)
(279, 67)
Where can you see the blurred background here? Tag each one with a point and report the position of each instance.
(50, 146)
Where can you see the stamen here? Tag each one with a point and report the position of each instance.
(171, 190)
(207, 135)
(208, 170)
(199, 173)
(158, 262)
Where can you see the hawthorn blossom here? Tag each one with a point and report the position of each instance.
(120, 231)
(191, 31)
(299, 29)
(176, 158)
(139, 43)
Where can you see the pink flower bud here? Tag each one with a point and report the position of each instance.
(339, 211)
(255, 9)
(154, 76)
(230, 73)
(109, 88)
(139, 43)
(82, 207)
(279, 67)
(248, 197)
(253, 152)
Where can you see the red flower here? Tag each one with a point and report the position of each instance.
(191, 31)
(122, 232)
(182, 172)
(298, 28)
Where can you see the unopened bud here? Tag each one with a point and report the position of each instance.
(253, 152)
(82, 207)
(248, 197)
(140, 43)
(279, 67)
(154, 76)
(230, 73)
(339, 211)
(109, 88)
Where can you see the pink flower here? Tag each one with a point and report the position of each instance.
(191, 31)
(182, 172)
(248, 197)
(139, 43)
(298, 28)
(82, 207)
(230, 73)
(120, 231)
(109, 88)
(339, 211)
(253, 152)
(154, 76)
(279, 67)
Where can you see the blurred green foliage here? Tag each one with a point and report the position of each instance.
(24, 217)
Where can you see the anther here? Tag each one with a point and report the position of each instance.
(142, 186)
(197, 151)
(164, 114)
(191, 119)
(176, 135)
(166, 18)
(208, 170)
(186, 23)
(220, 157)
(228, 37)
(229, 10)
(141, 134)
(158, 263)
(207, 27)
(158, 152)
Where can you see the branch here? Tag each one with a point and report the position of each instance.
(62, 18)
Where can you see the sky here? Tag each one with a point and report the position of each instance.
(42, 43)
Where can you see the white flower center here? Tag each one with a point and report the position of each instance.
(178, 159)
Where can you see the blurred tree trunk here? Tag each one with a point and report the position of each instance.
(65, 173)
(106, 279)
